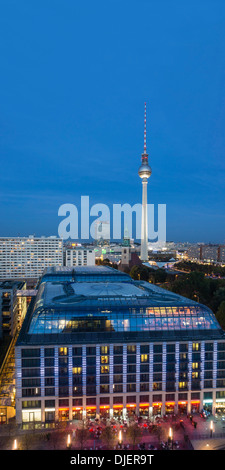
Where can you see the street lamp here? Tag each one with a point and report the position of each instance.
(68, 441)
(170, 437)
(211, 428)
(15, 445)
(120, 438)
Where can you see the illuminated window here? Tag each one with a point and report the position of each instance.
(104, 359)
(195, 375)
(77, 370)
(195, 346)
(144, 357)
(157, 386)
(104, 369)
(183, 356)
(195, 365)
(182, 385)
(63, 351)
(104, 349)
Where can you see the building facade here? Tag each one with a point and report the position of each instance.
(207, 253)
(79, 256)
(96, 343)
(12, 308)
(27, 257)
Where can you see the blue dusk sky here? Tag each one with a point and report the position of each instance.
(74, 77)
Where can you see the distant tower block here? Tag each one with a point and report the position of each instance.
(144, 173)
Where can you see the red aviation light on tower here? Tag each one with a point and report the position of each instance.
(145, 155)
(144, 170)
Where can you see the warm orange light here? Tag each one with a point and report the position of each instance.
(182, 402)
(195, 401)
(15, 447)
(64, 409)
(117, 406)
(143, 405)
(170, 402)
(157, 404)
(77, 408)
(131, 405)
(104, 407)
(90, 407)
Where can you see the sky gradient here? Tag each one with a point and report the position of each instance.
(74, 77)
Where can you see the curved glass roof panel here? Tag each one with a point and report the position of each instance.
(113, 306)
(51, 321)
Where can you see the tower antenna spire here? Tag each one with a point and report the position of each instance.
(145, 130)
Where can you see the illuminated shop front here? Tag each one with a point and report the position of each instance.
(131, 410)
(91, 412)
(104, 411)
(3, 415)
(49, 415)
(195, 406)
(208, 405)
(157, 409)
(63, 414)
(144, 410)
(77, 413)
(220, 402)
(220, 407)
(169, 407)
(31, 416)
(182, 406)
(208, 401)
(118, 411)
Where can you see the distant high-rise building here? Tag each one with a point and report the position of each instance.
(207, 253)
(79, 256)
(27, 257)
(144, 173)
(194, 252)
(221, 253)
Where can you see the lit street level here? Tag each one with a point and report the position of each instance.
(168, 433)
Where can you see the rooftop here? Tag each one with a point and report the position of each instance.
(73, 304)
(11, 284)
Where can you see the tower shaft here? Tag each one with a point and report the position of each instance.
(144, 222)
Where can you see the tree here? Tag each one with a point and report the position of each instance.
(108, 436)
(134, 434)
(82, 435)
(160, 275)
(140, 273)
(220, 315)
(218, 298)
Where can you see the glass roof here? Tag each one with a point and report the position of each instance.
(119, 304)
(51, 321)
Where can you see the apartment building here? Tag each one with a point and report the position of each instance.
(27, 257)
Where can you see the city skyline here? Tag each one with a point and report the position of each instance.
(72, 120)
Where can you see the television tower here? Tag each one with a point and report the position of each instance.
(144, 173)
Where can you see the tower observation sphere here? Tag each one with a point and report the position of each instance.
(145, 171)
